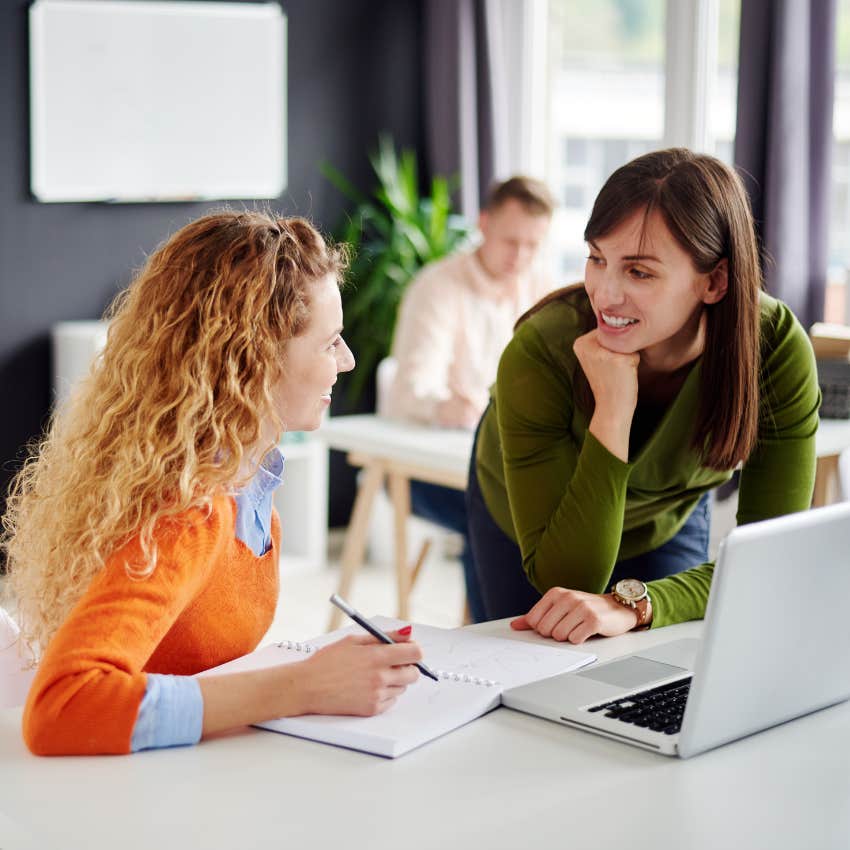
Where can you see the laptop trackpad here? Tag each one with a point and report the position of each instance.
(631, 672)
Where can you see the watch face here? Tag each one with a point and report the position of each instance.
(631, 588)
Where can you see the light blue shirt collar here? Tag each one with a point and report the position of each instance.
(268, 478)
(254, 504)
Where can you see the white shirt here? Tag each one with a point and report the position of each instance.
(453, 324)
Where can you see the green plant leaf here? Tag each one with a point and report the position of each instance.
(391, 234)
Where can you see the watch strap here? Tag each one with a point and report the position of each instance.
(642, 609)
(639, 606)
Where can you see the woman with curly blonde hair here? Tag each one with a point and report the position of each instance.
(140, 537)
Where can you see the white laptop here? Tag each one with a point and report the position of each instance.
(775, 646)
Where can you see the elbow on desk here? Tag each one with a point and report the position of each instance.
(39, 733)
(58, 719)
(545, 574)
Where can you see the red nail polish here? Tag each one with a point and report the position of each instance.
(406, 630)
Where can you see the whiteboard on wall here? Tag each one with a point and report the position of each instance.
(157, 101)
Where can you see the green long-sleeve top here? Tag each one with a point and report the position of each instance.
(575, 509)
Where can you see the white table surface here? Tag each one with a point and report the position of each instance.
(506, 780)
(450, 449)
(443, 448)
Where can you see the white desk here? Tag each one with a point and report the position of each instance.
(506, 780)
(397, 453)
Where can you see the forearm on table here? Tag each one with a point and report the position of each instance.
(239, 699)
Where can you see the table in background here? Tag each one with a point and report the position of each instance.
(398, 452)
(506, 780)
(394, 453)
(833, 437)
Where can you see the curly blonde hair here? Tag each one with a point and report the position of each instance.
(171, 409)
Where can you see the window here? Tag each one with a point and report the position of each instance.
(837, 308)
(626, 77)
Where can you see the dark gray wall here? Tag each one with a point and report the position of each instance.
(353, 71)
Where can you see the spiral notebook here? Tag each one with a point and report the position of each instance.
(473, 671)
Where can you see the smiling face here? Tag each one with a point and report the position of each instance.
(512, 238)
(312, 360)
(646, 293)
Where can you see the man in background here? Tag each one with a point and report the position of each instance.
(454, 321)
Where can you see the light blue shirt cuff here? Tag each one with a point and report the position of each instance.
(171, 713)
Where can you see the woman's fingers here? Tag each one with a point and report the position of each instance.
(387, 654)
(561, 607)
(541, 607)
(402, 676)
(570, 624)
(397, 654)
(360, 640)
(570, 615)
(359, 675)
(580, 633)
(403, 635)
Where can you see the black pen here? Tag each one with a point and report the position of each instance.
(374, 630)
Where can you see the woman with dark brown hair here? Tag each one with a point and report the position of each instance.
(620, 404)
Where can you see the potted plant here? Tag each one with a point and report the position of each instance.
(391, 234)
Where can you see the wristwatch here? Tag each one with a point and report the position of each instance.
(633, 593)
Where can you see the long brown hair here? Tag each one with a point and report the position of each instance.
(174, 404)
(706, 208)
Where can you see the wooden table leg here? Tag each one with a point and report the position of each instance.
(355, 537)
(400, 495)
(826, 481)
(420, 560)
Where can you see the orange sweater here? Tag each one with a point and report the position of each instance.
(209, 600)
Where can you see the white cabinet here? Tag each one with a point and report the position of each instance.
(75, 346)
(302, 499)
(302, 502)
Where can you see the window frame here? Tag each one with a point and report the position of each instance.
(690, 67)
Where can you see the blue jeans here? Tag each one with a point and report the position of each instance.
(446, 507)
(502, 584)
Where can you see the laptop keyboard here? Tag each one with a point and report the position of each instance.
(660, 709)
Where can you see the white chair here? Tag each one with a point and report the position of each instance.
(384, 377)
(75, 346)
(16, 672)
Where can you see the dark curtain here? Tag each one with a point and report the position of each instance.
(459, 125)
(783, 141)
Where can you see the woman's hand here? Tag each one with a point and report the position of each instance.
(613, 379)
(358, 675)
(574, 616)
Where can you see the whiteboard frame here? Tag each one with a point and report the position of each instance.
(173, 160)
